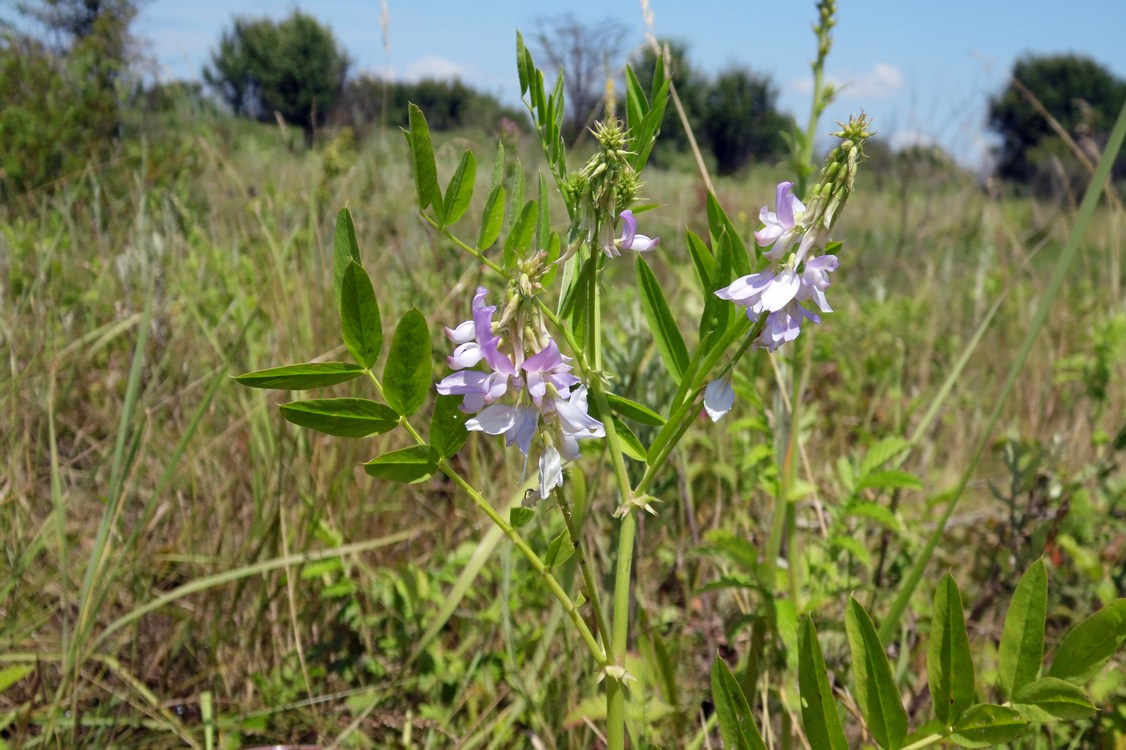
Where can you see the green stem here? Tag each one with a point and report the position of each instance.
(615, 689)
(530, 554)
(507, 529)
(588, 576)
(594, 314)
(463, 245)
(927, 741)
(684, 412)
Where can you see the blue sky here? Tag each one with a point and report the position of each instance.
(923, 70)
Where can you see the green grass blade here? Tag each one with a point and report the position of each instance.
(236, 574)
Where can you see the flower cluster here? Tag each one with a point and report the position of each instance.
(545, 390)
(796, 280)
(791, 279)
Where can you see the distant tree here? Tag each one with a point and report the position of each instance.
(741, 121)
(77, 19)
(1082, 95)
(294, 68)
(61, 88)
(587, 54)
(447, 105)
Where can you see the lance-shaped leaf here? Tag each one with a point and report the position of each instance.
(406, 466)
(985, 725)
(460, 190)
(492, 219)
(345, 249)
(717, 312)
(818, 711)
(631, 446)
(447, 426)
(360, 322)
(1090, 644)
(950, 668)
(408, 373)
(422, 156)
(702, 260)
(301, 377)
(634, 410)
(670, 343)
(1051, 698)
(1022, 639)
(343, 417)
(736, 723)
(520, 235)
(875, 688)
(718, 223)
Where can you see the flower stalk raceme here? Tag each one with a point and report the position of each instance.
(796, 280)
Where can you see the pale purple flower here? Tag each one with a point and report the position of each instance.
(768, 289)
(747, 291)
(543, 384)
(548, 366)
(630, 239)
(478, 388)
(488, 341)
(815, 280)
(790, 279)
(719, 397)
(476, 341)
(574, 421)
(517, 424)
(784, 325)
(781, 228)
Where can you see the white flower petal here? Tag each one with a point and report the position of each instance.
(643, 244)
(783, 289)
(495, 420)
(551, 471)
(719, 397)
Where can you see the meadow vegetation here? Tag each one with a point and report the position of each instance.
(165, 579)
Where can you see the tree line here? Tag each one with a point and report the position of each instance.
(69, 84)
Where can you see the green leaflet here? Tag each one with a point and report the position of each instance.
(343, 417)
(1022, 639)
(408, 373)
(301, 377)
(360, 322)
(736, 723)
(670, 343)
(950, 669)
(405, 466)
(818, 710)
(875, 688)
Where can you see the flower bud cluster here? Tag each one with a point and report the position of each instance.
(610, 181)
(835, 183)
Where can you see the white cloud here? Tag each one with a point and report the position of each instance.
(882, 81)
(434, 67)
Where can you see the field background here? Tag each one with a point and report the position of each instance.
(133, 468)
